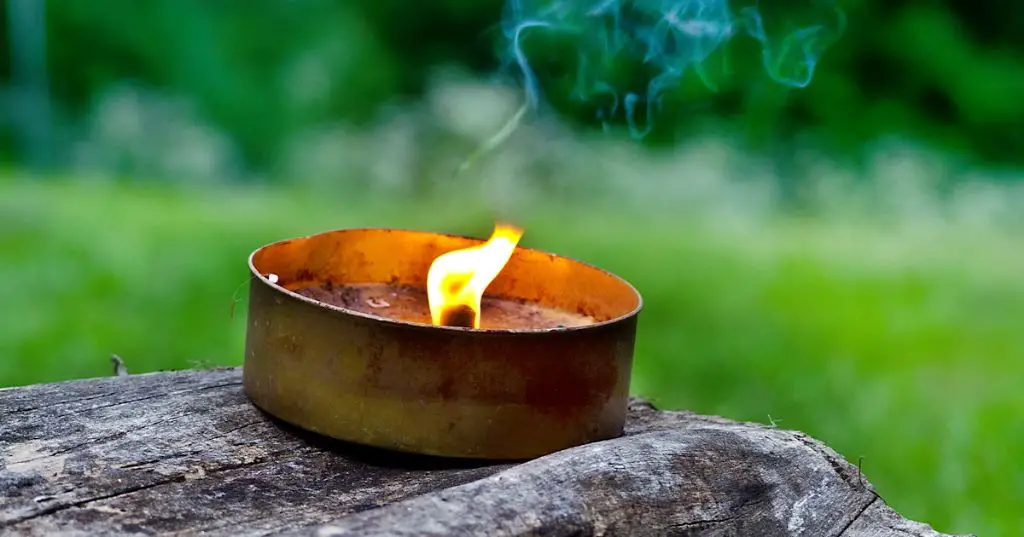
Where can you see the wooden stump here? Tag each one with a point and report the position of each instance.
(187, 453)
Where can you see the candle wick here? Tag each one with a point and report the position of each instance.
(460, 316)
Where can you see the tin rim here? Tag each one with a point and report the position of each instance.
(255, 273)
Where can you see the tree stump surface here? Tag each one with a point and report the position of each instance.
(186, 453)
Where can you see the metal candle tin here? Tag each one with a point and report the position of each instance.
(456, 392)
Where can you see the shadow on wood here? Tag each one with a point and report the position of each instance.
(186, 453)
(373, 457)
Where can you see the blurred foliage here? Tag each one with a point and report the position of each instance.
(261, 71)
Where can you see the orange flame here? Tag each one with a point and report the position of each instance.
(456, 280)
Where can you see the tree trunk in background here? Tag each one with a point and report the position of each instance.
(29, 101)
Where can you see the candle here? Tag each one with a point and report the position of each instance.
(519, 353)
(409, 304)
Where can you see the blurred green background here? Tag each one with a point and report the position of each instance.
(844, 259)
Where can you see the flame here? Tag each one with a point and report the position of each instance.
(456, 280)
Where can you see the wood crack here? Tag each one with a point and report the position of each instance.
(837, 466)
(709, 522)
(704, 523)
(270, 458)
(100, 440)
(167, 458)
(222, 434)
(178, 478)
(857, 516)
(85, 501)
(59, 403)
(148, 398)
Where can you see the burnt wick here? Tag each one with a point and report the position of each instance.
(458, 316)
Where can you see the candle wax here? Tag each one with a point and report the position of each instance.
(409, 304)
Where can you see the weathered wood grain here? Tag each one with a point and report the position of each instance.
(186, 453)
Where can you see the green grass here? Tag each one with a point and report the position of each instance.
(905, 348)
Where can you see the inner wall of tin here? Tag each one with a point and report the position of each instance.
(359, 256)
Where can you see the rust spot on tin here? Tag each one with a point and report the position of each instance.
(447, 390)
(292, 345)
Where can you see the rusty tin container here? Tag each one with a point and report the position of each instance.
(455, 392)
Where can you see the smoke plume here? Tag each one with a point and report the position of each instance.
(629, 53)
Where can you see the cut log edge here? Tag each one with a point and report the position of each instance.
(666, 481)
